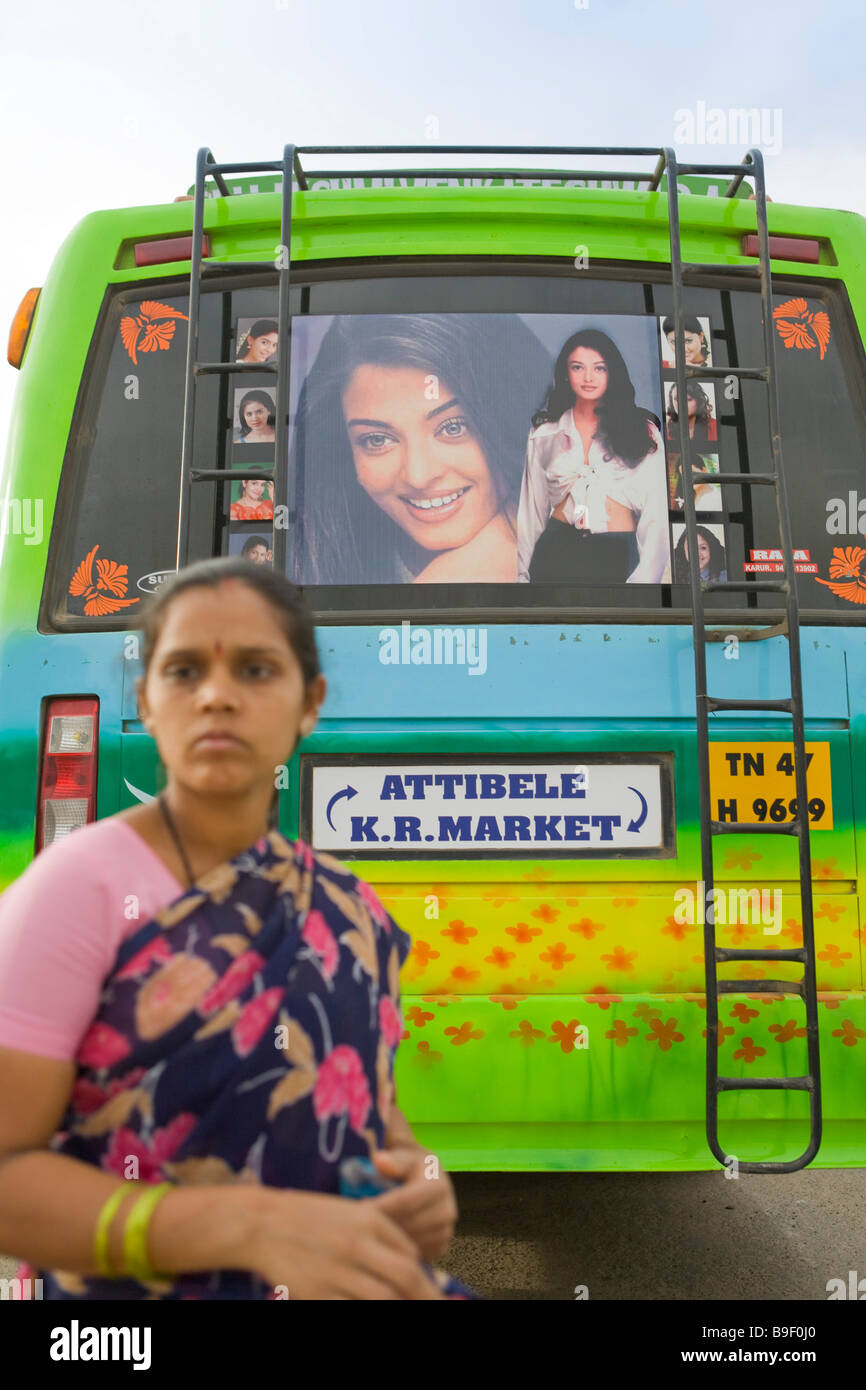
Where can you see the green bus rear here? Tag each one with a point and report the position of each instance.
(554, 1002)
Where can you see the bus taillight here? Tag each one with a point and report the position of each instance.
(20, 330)
(162, 252)
(67, 769)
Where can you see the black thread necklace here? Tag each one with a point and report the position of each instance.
(174, 835)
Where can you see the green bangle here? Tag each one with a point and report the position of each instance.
(103, 1228)
(135, 1256)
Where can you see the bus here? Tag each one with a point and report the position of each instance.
(598, 746)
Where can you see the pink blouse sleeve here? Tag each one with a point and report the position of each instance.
(56, 948)
(61, 924)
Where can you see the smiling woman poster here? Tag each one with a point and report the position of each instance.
(408, 448)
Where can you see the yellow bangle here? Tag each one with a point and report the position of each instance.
(135, 1257)
(103, 1229)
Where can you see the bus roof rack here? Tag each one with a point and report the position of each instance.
(653, 177)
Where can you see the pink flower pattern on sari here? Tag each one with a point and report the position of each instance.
(390, 1021)
(233, 982)
(342, 1086)
(156, 950)
(126, 1144)
(321, 940)
(101, 1046)
(255, 1018)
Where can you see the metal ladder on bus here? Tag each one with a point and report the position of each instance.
(715, 955)
(207, 167)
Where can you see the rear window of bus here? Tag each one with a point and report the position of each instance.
(494, 334)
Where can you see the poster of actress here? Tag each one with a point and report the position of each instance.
(594, 500)
(408, 446)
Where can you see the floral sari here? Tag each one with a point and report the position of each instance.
(246, 1034)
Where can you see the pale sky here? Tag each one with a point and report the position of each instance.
(105, 104)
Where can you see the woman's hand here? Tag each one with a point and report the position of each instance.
(323, 1247)
(424, 1206)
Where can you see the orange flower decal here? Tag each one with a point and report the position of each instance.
(831, 1001)
(833, 956)
(786, 1031)
(740, 932)
(417, 1016)
(587, 928)
(601, 998)
(441, 998)
(620, 959)
(678, 930)
(523, 933)
(459, 932)
(825, 868)
(564, 1034)
(743, 1012)
(463, 1034)
(664, 1034)
(508, 1001)
(110, 576)
(749, 1051)
(847, 579)
(646, 1012)
(723, 1032)
(741, 859)
(848, 1033)
(499, 957)
(620, 1033)
(545, 913)
(151, 329)
(422, 954)
(625, 902)
(460, 972)
(557, 955)
(424, 1056)
(799, 327)
(526, 1033)
(831, 910)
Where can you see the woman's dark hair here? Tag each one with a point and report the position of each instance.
(261, 398)
(258, 330)
(717, 557)
(623, 427)
(251, 542)
(690, 324)
(287, 602)
(493, 364)
(704, 412)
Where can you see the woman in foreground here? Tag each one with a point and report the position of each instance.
(198, 1019)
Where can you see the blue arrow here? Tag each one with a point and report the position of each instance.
(636, 824)
(348, 792)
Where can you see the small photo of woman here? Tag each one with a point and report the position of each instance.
(708, 495)
(254, 500)
(255, 415)
(711, 553)
(697, 340)
(255, 546)
(257, 340)
(703, 427)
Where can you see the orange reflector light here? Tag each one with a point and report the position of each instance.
(67, 769)
(175, 248)
(20, 329)
(785, 248)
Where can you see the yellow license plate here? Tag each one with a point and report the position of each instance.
(754, 782)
